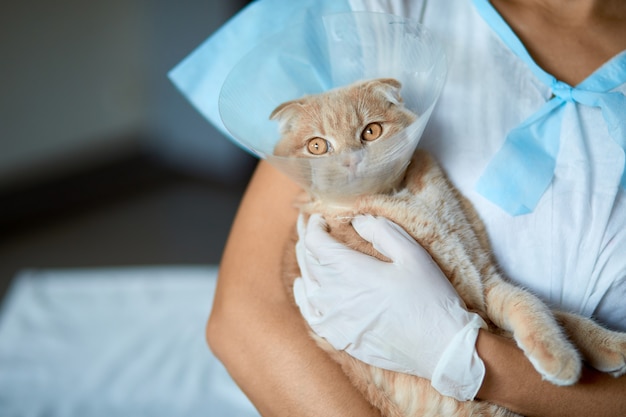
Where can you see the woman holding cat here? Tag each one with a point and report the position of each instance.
(565, 241)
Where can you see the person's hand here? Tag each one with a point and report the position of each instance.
(403, 315)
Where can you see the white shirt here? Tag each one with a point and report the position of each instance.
(571, 250)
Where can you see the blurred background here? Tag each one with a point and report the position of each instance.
(102, 161)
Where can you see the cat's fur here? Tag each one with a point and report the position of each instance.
(429, 208)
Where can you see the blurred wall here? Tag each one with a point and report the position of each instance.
(83, 82)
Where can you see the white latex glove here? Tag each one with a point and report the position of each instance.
(404, 316)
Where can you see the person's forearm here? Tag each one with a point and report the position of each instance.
(511, 381)
(254, 328)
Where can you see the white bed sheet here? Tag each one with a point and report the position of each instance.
(112, 342)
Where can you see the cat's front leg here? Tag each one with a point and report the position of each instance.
(603, 349)
(535, 330)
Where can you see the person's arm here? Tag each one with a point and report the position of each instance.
(511, 381)
(254, 328)
(259, 335)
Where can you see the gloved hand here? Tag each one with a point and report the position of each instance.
(404, 315)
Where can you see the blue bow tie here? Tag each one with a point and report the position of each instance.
(523, 168)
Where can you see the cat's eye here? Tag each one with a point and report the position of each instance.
(317, 146)
(372, 132)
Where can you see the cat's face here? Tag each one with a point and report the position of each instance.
(343, 132)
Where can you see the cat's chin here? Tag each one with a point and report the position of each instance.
(338, 204)
(346, 201)
(347, 195)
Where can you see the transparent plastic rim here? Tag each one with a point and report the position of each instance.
(323, 53)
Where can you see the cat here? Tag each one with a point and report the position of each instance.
(422, 200)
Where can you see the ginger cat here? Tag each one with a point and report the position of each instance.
(349, 120)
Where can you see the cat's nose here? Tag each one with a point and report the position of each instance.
(352, 160)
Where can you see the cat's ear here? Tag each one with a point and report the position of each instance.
(286, 113)
(389, 87)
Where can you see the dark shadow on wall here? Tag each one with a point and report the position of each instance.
(103, 162)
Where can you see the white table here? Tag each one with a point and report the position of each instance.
(113, 342)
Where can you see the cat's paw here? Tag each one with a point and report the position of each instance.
(603, 349)
(609, 353)
(555, 359)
